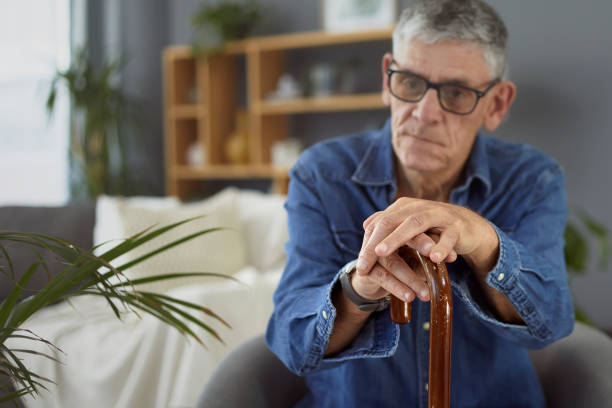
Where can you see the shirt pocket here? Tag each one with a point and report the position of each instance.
(348, 240)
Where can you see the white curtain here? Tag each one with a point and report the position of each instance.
(34, 42)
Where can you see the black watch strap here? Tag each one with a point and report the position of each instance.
(362, 303)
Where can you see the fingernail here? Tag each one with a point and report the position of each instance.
(382, 247)
(424, 294)
(426, 247)
(361, 264)
(408, 296)
(436, 257)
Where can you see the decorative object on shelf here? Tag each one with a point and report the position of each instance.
(357, 15)
(348, 75)
(87, 273)
(195, 154)
(287, 87)
(237, 146)
(286, 152)
(99, 110)
(322, 79)
(192, 95)
(222, 22)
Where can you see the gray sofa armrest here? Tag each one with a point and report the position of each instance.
(576, 371)
(252, 376)
(74, 222)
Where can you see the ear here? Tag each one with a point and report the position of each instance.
(386, 95)
(501, 99)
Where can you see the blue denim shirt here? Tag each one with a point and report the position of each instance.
(335, 186)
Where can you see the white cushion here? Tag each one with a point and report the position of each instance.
(108, 225)
(219, 251)
(264, 222)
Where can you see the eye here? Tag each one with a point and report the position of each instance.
(454, 93)
(412, 82)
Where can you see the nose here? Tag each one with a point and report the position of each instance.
(428, 108)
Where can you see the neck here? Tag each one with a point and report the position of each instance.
(435, 187)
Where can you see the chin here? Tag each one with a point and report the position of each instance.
(420, 163)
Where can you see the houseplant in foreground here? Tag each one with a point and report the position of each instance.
(87, 274)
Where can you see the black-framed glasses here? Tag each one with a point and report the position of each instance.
(453, 98)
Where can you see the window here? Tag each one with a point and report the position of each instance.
(34, 42)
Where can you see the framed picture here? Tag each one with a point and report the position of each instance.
(357, 15)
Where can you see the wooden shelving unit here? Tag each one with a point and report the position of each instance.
(200, 105)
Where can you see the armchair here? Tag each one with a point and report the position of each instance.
(574, 372)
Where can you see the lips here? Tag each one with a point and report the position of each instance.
(420, 138)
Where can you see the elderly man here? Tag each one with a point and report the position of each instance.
(493, 211)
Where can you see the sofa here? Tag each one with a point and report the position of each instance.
(139, 361)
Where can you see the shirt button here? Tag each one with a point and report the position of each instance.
(426, 387)
(324, 313)
(426, 326)
(500, 276)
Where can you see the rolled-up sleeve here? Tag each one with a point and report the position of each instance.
(530, 270)
(299, 329)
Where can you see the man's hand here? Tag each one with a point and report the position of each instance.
(438, 230)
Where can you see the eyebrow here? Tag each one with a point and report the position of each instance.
(452, 81)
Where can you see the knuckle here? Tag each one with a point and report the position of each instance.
(370, 220)
(417, 220)
(385, 223)
(379, 274)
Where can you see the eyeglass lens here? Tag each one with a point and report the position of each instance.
(412, 88)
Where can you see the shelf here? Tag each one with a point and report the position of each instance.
(315, 39)
(186, 51)
(202, 105)
(327, 104)
(230, 172)
(188, 111)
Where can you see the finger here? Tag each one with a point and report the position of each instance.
(377, 232)
(424, 249)
(368, 231)
(422, 243)
(405, 274)
(391, 284)
(406, 231)
(444, 247)
(371, 219)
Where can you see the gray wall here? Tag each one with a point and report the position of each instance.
(560, 59)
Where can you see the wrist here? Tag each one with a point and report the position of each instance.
(484, 258)
(366, 305)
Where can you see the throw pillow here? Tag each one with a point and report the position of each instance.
(219, 251)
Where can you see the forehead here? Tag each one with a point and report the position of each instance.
(444, 61)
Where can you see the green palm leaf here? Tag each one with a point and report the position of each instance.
(86, 273)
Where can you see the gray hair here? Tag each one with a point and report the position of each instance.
(472, 21)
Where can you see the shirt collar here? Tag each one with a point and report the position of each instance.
(376, 168)
(477, 166)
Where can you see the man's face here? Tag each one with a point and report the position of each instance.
(426, 138)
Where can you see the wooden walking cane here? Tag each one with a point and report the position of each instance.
(441, 324)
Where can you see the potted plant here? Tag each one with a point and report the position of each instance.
(98, 109)
(86, 274)
(579, 234)
(223, 22)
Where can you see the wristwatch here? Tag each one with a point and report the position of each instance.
(362, 303)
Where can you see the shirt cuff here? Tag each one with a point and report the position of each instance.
(506, 278)
(379, 336)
